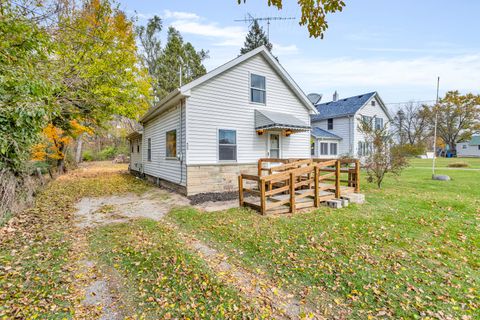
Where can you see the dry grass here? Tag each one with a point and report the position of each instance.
(458, 165)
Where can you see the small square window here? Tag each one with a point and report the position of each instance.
(330, 124)
(258, 93)
(373, 102)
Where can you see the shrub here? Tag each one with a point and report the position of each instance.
(107, 154)
(410, 150)
(88, 155)
(458, 165)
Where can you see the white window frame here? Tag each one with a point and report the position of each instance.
(218, 145)
(250, 88)
(377, 119)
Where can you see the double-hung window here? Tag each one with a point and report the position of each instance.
(330, 124)
(149, 149)
(378, 123)
(333, 148)
(258, 93)
(323, 148)
(171, 144)
(227, 145)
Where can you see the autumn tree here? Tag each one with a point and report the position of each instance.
(97, 68)
(165, 63)
(314, 13)
(458, 117)
(383, 156)
(256, 37)
(25, 85)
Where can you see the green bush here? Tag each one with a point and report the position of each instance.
(108, 153)
(88, 155)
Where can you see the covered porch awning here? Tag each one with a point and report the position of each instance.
(269, 120)
(134, 135)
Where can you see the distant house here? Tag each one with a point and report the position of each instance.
(201, 136)
(335, 130)
(469, 148)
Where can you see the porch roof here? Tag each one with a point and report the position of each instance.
(278, 120)
(323, 134)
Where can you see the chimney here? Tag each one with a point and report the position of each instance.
(335, 96)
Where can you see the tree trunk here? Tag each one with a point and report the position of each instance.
(61, 162)
(78, 152)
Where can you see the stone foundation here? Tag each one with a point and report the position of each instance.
(216, 178)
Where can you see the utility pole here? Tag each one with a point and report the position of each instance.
(435, 132)
(251, 19)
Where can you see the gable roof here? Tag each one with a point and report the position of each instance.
(184, 91)
(323, 134)
(342, 107)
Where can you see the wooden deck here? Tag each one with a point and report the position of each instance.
(298, 183)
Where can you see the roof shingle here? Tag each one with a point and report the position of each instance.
(342, 107)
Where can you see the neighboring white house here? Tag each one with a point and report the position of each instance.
(469, 148)
(204, 134)
(335, 130)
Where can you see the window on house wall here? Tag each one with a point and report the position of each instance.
(367, 119)
(258, 93)
(378, 123)
(333, 148)
(138, 147)
(478, 147)
(464, 146)
(324, 148)
(330, 124)
(227, 145)
(373, 102)
(171, 144)
(312, 148)
(149, 149)
(364, 148)
(131, 146)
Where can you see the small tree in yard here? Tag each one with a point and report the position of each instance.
(383, 155)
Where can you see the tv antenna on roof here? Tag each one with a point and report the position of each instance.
(251, 19)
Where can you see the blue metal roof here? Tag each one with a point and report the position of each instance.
(341, 107)
(320, 133)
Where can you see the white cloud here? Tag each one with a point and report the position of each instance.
(416, 75)
(222, 35)
(180, 15)
(284, 49)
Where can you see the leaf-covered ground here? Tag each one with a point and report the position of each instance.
(412, 251)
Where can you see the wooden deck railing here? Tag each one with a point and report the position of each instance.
(298, 183)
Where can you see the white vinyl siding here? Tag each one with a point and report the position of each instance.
(136, 156)
(464, 149)
(343, 127)
(224, 102)
(369, 110)
(170, 169)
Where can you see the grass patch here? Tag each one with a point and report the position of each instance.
(35, 245)
(413, 250)
(163, 278)
(473, 163)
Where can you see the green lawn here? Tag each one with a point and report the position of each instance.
(413, 250)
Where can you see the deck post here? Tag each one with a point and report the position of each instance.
(240, 190)
(337, 179)
(292, 192)
(262, 196)
(317, 196)
(357, 176)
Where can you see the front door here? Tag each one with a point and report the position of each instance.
(273, 145)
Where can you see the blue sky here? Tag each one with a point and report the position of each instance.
(397, 48)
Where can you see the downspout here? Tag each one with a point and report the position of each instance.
(181, 141)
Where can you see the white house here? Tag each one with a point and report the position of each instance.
(201, 136)
(335, 130)
(469, 148)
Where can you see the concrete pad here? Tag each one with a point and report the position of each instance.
(334, 203)
(357, 198)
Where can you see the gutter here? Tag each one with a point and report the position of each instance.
(161, 106)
